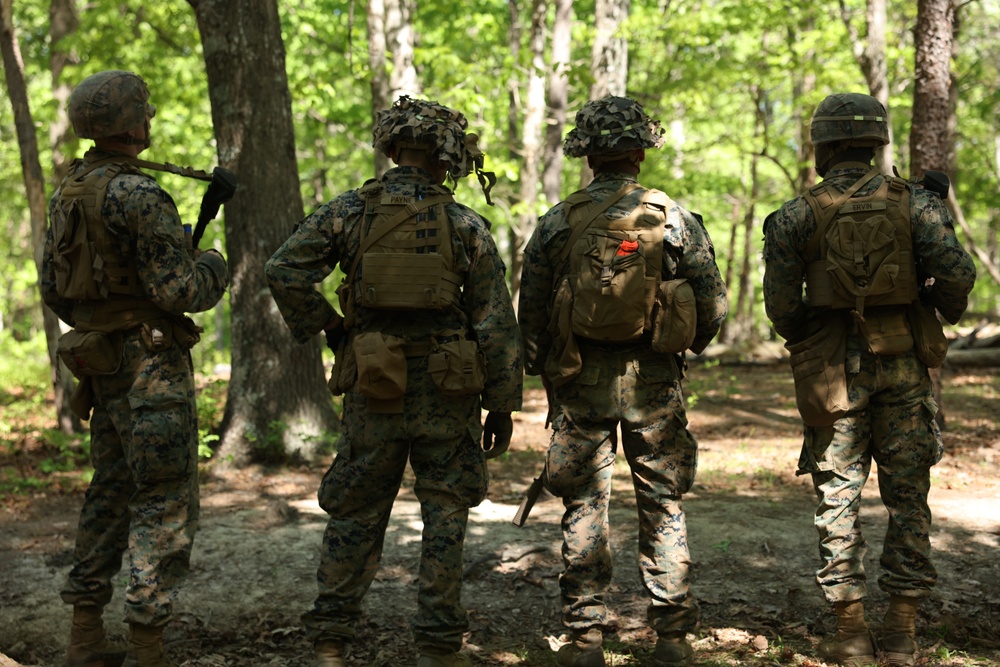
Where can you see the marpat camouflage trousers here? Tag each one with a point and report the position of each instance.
(440, 436)
(143, 498)
(892, 423)
(639, 391)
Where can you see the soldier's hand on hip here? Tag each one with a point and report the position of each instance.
(497, 430)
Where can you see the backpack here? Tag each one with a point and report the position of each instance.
(861, 254)
(614, 264)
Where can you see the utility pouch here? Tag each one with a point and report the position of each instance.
(345, 294)
(157, 335)
(345, 367)
(675, 317)
(928, 334)
(381, 363)
(887, 332)
(458, 367)
(564, 361)
(818, 369)
(88, 353)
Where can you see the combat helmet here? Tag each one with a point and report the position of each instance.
(612, 125)
(109, 103)
(425, 125)
(852, 118)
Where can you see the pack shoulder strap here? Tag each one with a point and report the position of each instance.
(580, 227)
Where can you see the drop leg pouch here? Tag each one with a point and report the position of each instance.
(818, 369)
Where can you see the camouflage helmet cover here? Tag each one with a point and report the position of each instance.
(612, 125)
(429, 126)
(855, 118)
(109, 103)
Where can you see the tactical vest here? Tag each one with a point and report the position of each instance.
(861, 254)
(92, 267)
(615, 264)
(406, 253)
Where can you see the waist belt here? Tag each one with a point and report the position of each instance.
(422, 348)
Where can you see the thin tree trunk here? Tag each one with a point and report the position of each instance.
(34, 186)
(377, 50)
(391, 39)
(558, 100)
(531, 137)
(608, 57)
(278, 401)
(930, 137)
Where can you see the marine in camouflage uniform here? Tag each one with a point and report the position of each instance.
(440, 436)
(892, 408)
(621, 385)
(143, 497)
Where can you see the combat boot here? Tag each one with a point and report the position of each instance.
(672, 650)
(145, 647)
(88, 645)
(852, 645)
(330, 653)
(585, 650)
(428, 659)
(898, 643)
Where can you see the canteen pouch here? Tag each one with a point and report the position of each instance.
(929, 340)
(88, 353)
(675, 317)
(818, 369)
(458, 367)
(563, 362)
(381, 364)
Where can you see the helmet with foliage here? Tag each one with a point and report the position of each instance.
(428, 126)
(852, 118)
(612, 125)
(109, 103)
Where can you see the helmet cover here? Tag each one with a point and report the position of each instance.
(612, 125)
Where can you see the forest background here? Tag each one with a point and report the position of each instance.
(284, 93)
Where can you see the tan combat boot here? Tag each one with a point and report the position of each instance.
(330, 653)
(585, 650)
(88, 645)
(672, 650)
(443, 660)
(852, 645)
(898, 632)
(145, 647)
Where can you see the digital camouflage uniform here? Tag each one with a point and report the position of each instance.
(892, 408)
(630, 386)
(439, 436)
(143, 497)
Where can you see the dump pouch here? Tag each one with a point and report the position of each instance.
(88, 353)
(381, 363)
(929, 340)
(818, 369)
(563, 362)
(345, 367)
(675, 317)
(458, 367)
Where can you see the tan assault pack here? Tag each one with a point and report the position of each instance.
(89, 264)
(861, 259)
(614, 264)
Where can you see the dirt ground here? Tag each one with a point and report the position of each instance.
(749, 524)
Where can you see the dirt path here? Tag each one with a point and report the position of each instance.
(749, 522)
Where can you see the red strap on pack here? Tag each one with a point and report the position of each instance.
(627, 248)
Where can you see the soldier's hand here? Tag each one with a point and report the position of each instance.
(497, 430)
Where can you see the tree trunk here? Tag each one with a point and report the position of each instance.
(34, 186)
(558, 99)
(531, 138)
(930, 136)
(870, 55)
(391, 38)
(608, 57)
(278, 402)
